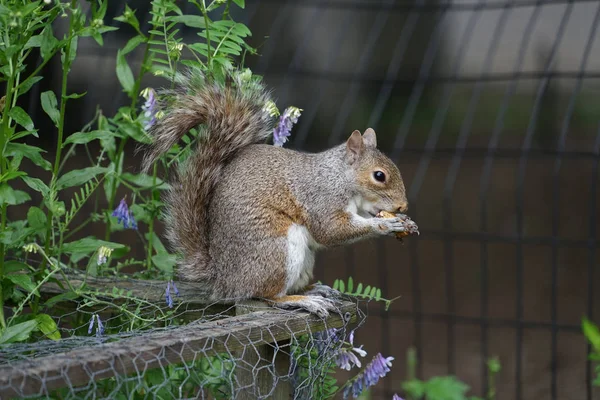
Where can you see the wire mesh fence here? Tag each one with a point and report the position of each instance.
(194, 350)
(489, 108)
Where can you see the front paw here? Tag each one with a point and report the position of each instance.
(323, 290)
(391, 226)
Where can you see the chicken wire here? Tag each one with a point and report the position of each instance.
(248, 350)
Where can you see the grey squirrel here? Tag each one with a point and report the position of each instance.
(248, 217)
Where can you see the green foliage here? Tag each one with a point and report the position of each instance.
(64, 208)
(363, 292)
(444, 387)
(592, 334)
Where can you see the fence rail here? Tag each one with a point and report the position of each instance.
(258, 334)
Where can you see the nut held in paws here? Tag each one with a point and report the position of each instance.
(411, 226)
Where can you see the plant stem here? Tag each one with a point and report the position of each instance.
(59, 144)
(4, 137)
(207, 30)
(151, 225)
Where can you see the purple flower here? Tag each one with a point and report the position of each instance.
(124, 215)
(286, 122)
(91, 326)
(168, 297)
(99, 327)
(396, 397)
(174, 288)
(149, 107)
(324, 339)
(346, 359)
(376, 369)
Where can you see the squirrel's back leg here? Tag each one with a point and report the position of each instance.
(318, 305)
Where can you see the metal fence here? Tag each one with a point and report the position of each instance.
(489, 108)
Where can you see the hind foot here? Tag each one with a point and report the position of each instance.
(317, 305)
(318, 289)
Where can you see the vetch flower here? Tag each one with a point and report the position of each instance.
(324, 339)
(375, 370)
(91, 326)
(346, 359)
(103, 254)
(175, 290)
(149, 107)
(99, 327)
(271, 109)
(124, 215)
(286, 122)
(168, 297)
(396, 397)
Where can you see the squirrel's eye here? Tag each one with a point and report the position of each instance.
(379, 176)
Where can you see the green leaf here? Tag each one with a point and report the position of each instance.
(132, 44)
(591, 332)
(78, 177)
(135, 132)
(336, 284)
(49, 104)
(350, 285)
(37, 185)
(24, 281)
(67, 296)
(373, 292)
(240, 3)
(19, 332)
(124, 73)
(359, 288)
(367, 290)
(31, 152)
(72, 53)
(9, 175)
(193, 21)
(21, 117)
(11, 196)
(86, 137)
(445, 388)
(75, 95)
(415, 388)
(34, 41)
(37, 219)
(48, 42)
(165, 262)
(342, 286)
(12, 266)
(89, 245)
(144, 181)
(28, 83)
(48, 327)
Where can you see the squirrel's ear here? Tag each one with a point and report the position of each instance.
(369, 138)
(354, 146)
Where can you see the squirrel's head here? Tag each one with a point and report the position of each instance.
(379, 182)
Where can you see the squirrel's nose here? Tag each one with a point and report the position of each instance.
(403, 207)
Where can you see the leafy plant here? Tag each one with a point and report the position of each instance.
(592, 334)
(363, 292)
(444, 387)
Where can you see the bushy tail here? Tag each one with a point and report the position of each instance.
(232, 117)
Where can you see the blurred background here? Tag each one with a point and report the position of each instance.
(490, 108)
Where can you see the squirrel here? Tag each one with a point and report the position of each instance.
(247, 216)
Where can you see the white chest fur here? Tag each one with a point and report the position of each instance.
(300, 257)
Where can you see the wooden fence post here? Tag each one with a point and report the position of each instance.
(260, 366)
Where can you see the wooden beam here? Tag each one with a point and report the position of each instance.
(149, 290)
(149, 350)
